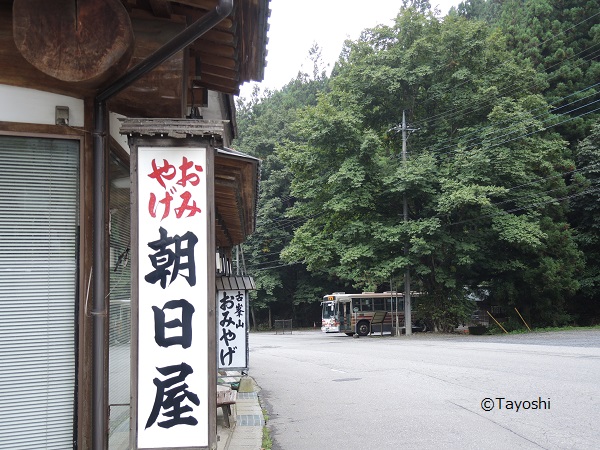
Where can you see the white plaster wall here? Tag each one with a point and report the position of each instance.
(214, 111)
(24, 105)
(114, 127)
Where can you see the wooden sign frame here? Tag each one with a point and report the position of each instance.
(173, 351)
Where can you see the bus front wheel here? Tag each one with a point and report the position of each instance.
(363, 328)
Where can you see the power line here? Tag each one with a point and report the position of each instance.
(292, 222)
(480, 130)
(545, 128)
(490, 139)
(480, 217)
(267, 254)
(254, 265)
(560, 175)
(284, 221)
(274, 267)
(538, 194)
(531, 205)
(450, 142)
(503, 92)
(526, 134)
(443, 114)
(539, 180)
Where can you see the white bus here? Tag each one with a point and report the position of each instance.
(364, 313)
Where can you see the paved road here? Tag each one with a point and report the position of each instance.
(427, 392)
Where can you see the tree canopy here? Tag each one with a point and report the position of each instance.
(500, 192)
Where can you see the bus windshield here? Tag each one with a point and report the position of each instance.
(328, 310)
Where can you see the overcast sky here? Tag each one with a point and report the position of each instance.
(296, 24)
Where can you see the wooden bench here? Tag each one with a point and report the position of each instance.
(378, 318)
(225, 398)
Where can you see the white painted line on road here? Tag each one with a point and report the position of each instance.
(336, 370)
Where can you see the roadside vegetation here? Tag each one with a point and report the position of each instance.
(497, 330)
(267, 443)
(501, 175)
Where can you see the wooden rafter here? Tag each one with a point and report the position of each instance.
(161, 8)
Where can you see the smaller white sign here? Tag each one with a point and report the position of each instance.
(232, 329)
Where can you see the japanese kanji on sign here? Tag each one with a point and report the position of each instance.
(232, 329)
(173, 373)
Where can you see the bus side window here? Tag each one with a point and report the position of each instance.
(366, 304)
(378, 303)
(389, 306)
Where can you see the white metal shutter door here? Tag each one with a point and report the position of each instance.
(38, 232)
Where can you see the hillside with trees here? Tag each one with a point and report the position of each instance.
(500, 178)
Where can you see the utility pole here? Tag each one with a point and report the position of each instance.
(407, 300)
(407, 305)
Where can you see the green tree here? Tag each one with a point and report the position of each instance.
(531, 258)
(264, 122)
(560, 38)
(489, 180)
(585, 219)
(465, 229)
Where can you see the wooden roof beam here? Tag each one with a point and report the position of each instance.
(214, 60)
(214, 49)
(199, 68)
(230, 87)
(219, 37)
(207, 69)
(161, 8)
(193, 14)
(204, 4)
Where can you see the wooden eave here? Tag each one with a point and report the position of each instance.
(232, 53)
(236, 196)
(224, 58)
(236, 174)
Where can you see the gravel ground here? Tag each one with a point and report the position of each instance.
(571, 338)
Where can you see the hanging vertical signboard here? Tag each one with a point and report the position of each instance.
(173, 382)
(232, 329)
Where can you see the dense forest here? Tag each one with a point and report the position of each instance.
(500, 178)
